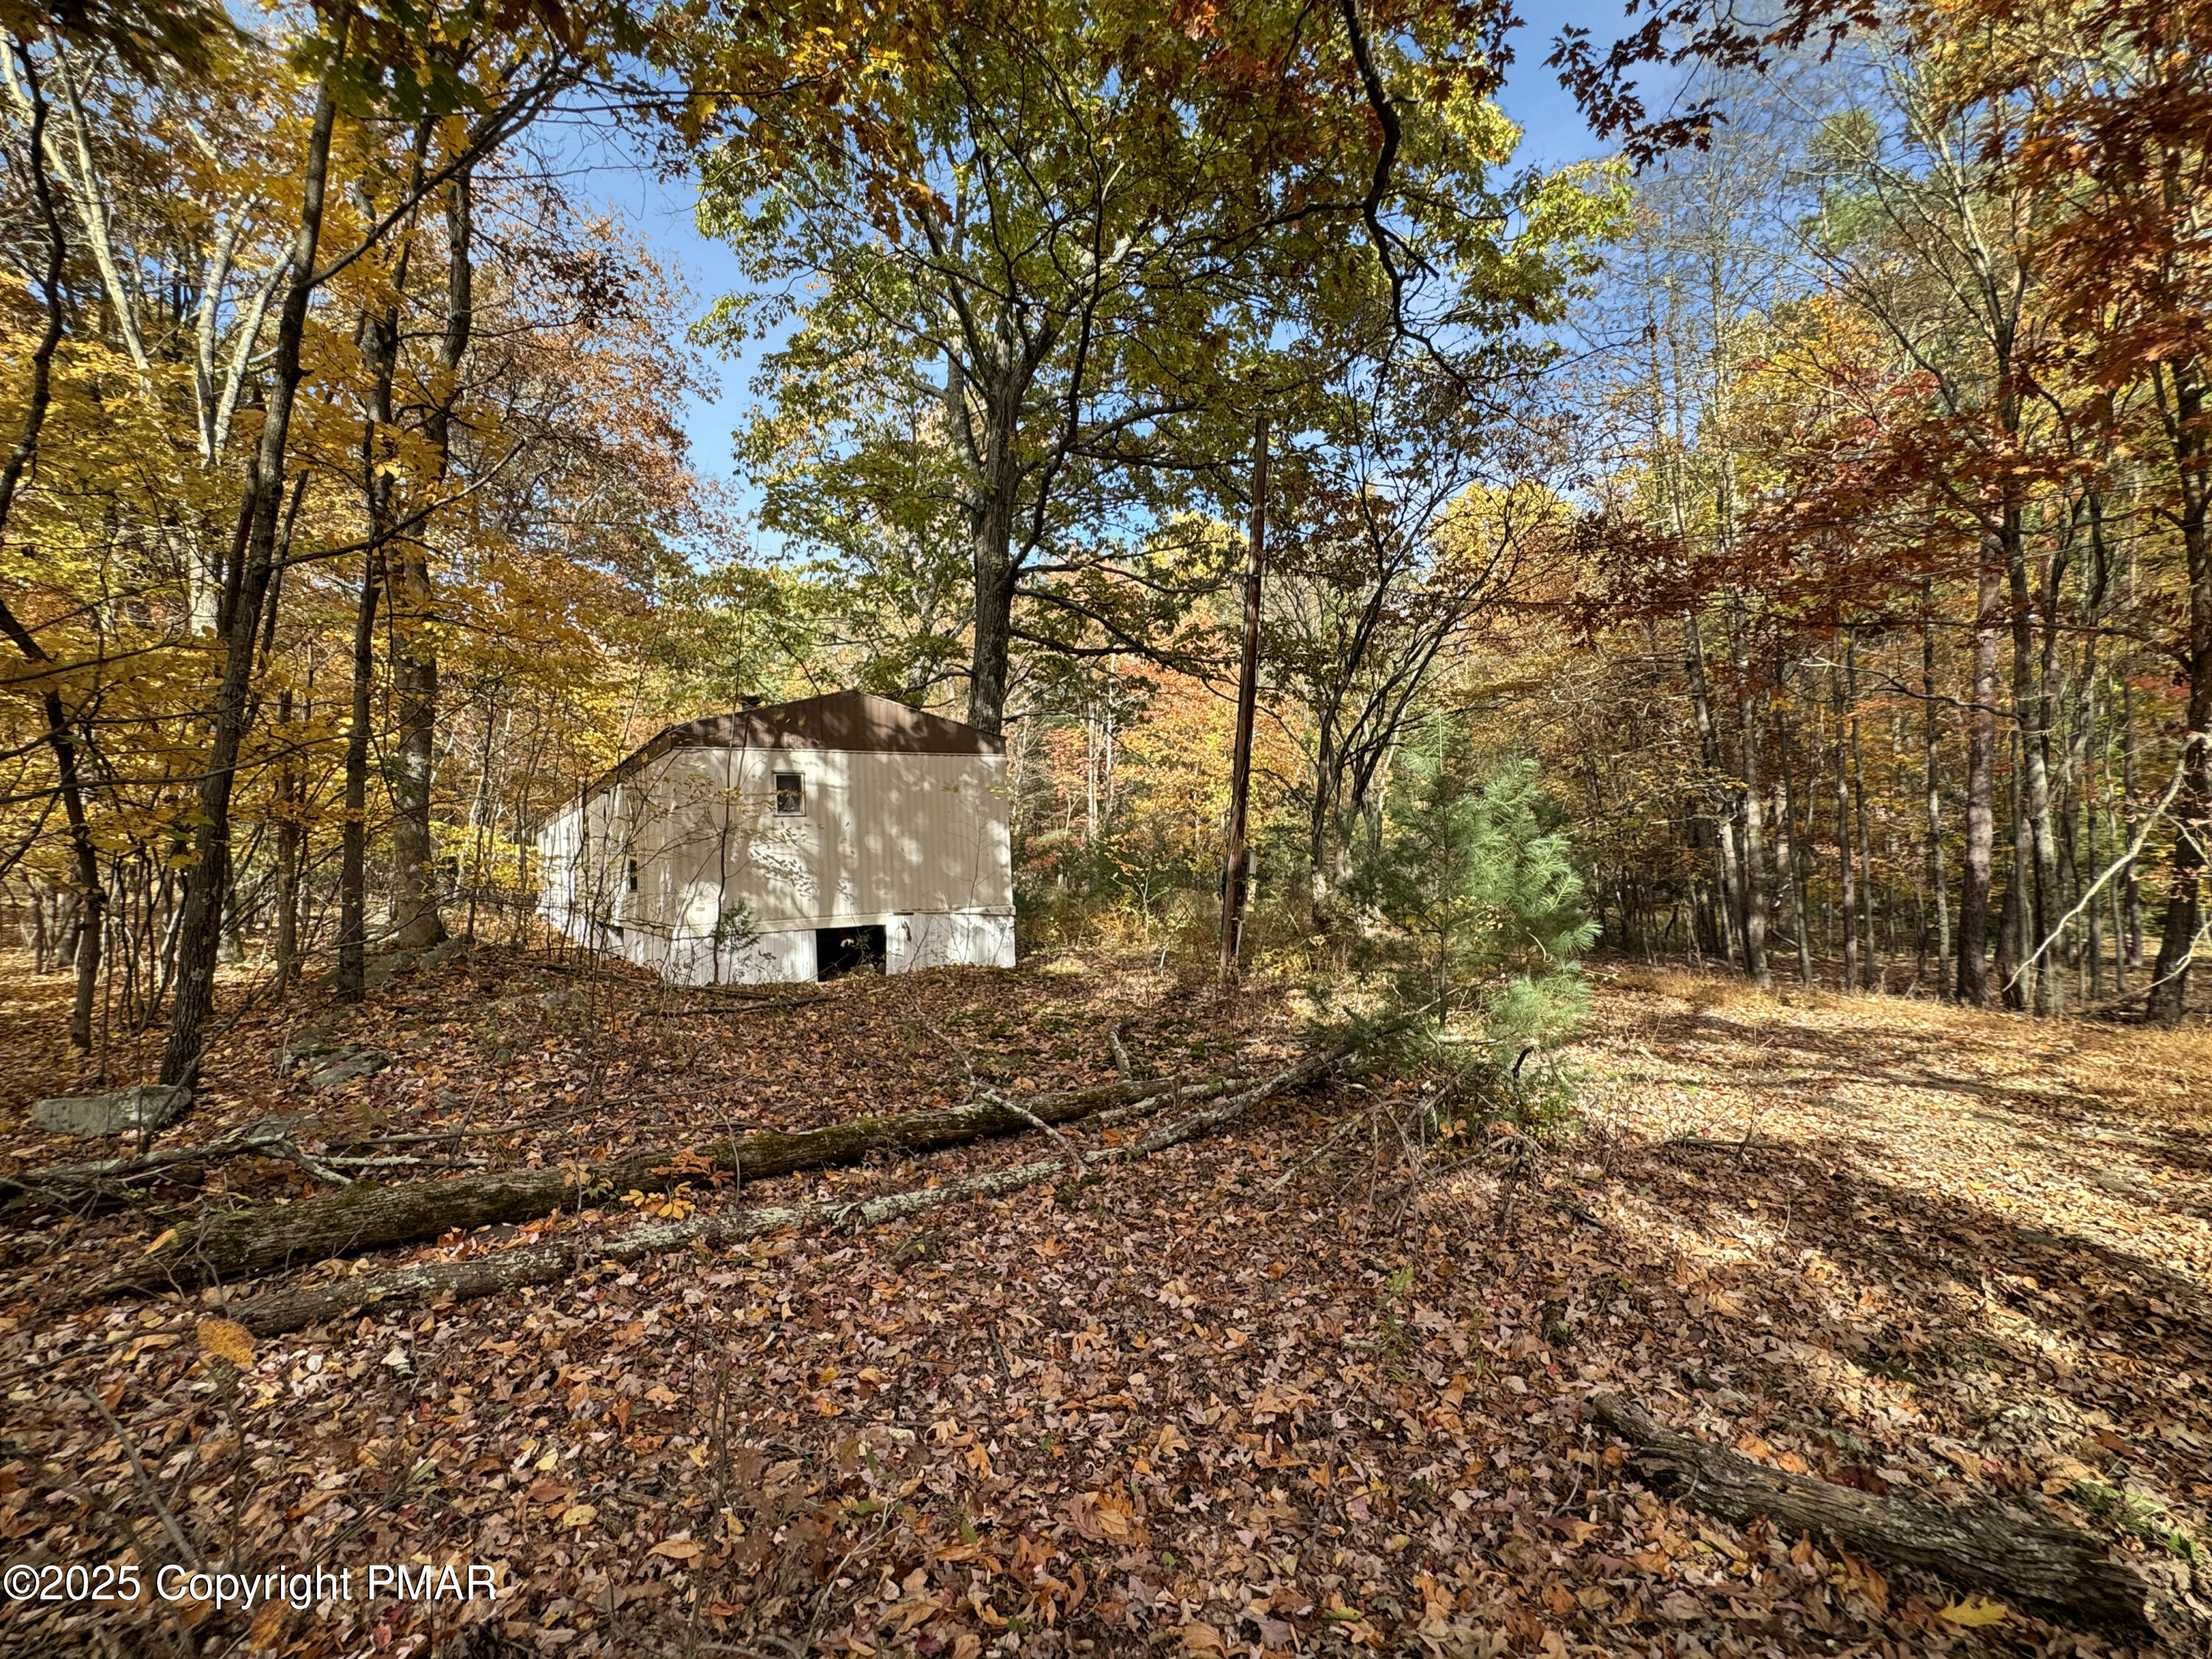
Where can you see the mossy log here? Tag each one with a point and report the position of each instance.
(2030, 1556)
(490, 1274)
(368, 1216)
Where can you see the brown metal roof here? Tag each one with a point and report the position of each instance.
(849, 720)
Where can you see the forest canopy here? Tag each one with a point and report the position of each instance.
(1816, 499)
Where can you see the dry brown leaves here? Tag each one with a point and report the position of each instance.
(1177, 1410)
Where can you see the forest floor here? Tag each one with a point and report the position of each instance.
(1258, 1393)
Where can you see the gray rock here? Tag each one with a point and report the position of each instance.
(148, 1107)
(377, 970)
(439, 955)
(374, 971)
(306, 1050)
(311, 1044)
(362, 1063)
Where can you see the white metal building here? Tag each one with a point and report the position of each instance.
(795, 841)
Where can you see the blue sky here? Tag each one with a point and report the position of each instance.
(660, 212)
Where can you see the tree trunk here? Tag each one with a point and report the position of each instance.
(990, 662)
(91, 892)
(1320, 876)
(80, 1185)
(1716, 792)
(291, 844)
(2126, 889)
(380, 479)
(2015, 918)
(2192, 811)
(2041, 985)
(352, 852)
(2187, 418)
(83, 949)
(2088, 773)
(994, 504)
(2128, 946)
(1848, 901)
(417, 924)
(199, 930)
(1871, 975)
(545, 1264)
(41, 937)
(1754, 829)
(1794, 852)
(1934, 776)
(1981, 817)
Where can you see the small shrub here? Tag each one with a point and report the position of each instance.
(1472, 918)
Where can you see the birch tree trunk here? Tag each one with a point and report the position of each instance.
(2041, 985)
(1755, 898)
(1981, 819)
(1708, 744)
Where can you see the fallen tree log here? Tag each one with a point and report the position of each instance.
(367, 1216)
(2027, 1556)
(274, 1312)
(270, 1137)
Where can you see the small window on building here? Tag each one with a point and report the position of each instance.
(633, 875)
(790, 792)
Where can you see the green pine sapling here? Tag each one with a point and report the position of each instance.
(1473, 911)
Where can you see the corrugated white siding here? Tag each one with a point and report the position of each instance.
(729, 889)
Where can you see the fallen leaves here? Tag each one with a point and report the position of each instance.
(1188, 1405)
(1974, 1613)
(225, 1340)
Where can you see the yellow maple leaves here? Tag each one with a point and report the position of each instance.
(227, 1339)
(671, 1207)
(1974, 1612)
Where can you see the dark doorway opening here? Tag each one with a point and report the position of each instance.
(842, 951)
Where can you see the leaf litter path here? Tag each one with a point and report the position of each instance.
(1192, 1409)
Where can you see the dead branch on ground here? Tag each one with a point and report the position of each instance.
(277, 1311)
(364, 1216)
(2030, 1556)
(270, 1137)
